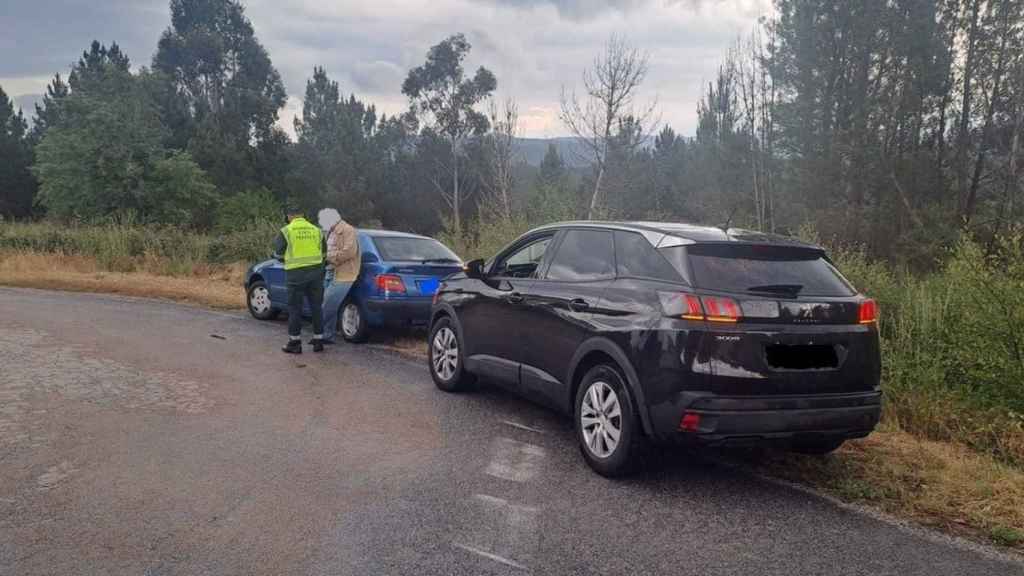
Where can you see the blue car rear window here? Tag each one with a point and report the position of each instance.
(414, 250)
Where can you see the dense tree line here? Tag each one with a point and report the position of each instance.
(894, 124)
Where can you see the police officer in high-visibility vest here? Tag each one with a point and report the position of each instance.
(301, 246)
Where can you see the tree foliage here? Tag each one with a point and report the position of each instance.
(892, 125)
(336, 150)
(442, 97)
(48, 114)
(105, 155)
(17, 186)
(227, 89)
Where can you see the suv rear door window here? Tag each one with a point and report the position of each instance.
(584, 255)
(636, 258)
(760, 269)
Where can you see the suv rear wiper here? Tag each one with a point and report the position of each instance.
(793, 289)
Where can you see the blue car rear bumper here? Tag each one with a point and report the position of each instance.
(399, 311)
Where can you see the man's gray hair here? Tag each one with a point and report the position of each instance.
(327, 218)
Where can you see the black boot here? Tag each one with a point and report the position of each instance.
(317, 344)
(293, 347)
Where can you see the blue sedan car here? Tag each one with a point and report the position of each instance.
(399, 275)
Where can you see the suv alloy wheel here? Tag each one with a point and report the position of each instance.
(607, 427)
(446, 365)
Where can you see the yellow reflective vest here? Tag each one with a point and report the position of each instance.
(304, 245)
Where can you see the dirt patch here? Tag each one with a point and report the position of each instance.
(214, 287)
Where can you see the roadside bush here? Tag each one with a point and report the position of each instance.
(485, 235)
(247, 244)
(123, 246)
(248, 210)
(953, 343)
(483, 240)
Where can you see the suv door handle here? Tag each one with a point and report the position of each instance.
(515, 298)
(578, 304)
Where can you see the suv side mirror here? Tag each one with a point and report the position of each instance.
(475, 269)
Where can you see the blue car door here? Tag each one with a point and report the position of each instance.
(275, 278)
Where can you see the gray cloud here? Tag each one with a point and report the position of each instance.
(41, 37)
(578, 9)
(588, 9)
(27, 103)
(533, 46)
(376, 77)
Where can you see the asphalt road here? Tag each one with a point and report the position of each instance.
(133, 441)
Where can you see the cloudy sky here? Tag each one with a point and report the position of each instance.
(533, 46)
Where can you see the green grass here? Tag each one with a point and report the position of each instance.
(1006, 536)
(952, 344)
(124, 247)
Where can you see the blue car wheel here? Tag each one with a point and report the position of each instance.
(352, 322)
(257, 299)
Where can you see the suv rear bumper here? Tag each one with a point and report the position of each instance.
(750, 419)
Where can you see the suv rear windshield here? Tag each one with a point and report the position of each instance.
(414, 250)
(759, 269)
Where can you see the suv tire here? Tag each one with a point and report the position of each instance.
(444, 356)
(607, 427)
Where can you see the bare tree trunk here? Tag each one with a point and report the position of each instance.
(597, 187)
(972, 195)
(611, 85)
(501, 156)
(965, 107)
(456, 216)
(768, 131)
(1013, 178)
(940, 134)
(906, 200)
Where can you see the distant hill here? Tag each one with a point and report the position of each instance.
(532, 150)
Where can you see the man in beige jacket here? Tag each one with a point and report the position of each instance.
(343, 264)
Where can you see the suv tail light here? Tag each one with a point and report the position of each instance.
(868, 312)
(693, 310)
(693, 307)
(390, 284)
(719, 309)
(690, 422)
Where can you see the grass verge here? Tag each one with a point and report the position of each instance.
(944, 485)
(214, 286)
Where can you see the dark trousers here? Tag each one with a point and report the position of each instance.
(305, 283)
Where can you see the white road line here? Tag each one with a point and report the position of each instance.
(514, 460)
(501, 529)
(522, 426)
(490, 556)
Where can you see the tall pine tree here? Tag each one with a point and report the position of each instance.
(17, 187)
(226, 86)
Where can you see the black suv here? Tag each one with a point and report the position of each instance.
(666, 333)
